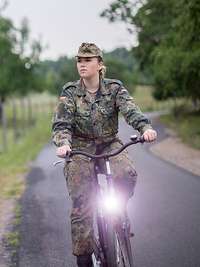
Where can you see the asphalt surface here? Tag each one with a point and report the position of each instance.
(165, 212)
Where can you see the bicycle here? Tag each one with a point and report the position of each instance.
(112, 246)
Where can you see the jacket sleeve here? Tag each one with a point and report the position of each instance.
(63, 119)
(131, 111)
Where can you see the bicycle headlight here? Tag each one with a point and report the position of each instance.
(111, 203)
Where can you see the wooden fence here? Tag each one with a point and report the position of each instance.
(18, 115)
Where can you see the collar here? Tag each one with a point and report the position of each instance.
(81, 87)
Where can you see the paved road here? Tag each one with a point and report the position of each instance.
(164, 212)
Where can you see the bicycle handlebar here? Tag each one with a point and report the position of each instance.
(134, 140)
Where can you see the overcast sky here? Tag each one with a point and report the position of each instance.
(64, 24)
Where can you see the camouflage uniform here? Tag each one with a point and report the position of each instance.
(91, 124)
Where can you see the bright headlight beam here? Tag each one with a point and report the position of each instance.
(111, 203)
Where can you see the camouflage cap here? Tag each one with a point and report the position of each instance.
(89, 50)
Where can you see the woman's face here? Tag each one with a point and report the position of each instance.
(88, 67)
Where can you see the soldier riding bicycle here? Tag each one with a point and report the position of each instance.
(86, 119)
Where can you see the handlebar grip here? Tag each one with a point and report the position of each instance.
(141, 139)
(137, 139)
(134, 137)
(67, 157)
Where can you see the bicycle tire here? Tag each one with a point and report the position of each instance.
(116, 252)
(129, 250)
(124, 252)
(123, 236)
(111, 242)
(102, 238)
(115, 242)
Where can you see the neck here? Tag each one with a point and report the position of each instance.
(92, 84)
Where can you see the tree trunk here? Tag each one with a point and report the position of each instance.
(23, 115)
(29, 113)
(4, 125)
(14, 119)
(196, 104)
(2, 100)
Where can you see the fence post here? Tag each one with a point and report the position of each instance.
(30, 112)
(14, 120)
(4, 126)
(23, 115)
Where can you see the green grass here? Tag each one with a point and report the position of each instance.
(14, 162)
(183, 120)
(12, 238)
(40, 103)
(187, 126)
(18, 215)
(144, 99)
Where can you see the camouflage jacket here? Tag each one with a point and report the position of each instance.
(77, 116)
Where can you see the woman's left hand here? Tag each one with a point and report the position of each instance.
(150, 135)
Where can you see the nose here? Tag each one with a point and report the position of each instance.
(82, 64)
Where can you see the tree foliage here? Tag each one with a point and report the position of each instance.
(17, 69)
(168, 42)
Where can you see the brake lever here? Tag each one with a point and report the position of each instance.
(67, 159)
(135, 138)
(57, 162)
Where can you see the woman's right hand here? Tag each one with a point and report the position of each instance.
(63, 150)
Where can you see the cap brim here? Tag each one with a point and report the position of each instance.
(86, 55)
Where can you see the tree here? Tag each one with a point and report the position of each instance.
(7, 58)
(168, 42)
(17, 70)
(188, 40)
(57, 73)
(151, 20)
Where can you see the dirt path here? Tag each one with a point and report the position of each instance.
(175, 151)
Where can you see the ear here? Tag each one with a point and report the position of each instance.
(100, 65)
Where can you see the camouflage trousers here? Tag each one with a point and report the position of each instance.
(81, 187)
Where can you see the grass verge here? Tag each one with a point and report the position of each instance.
(12, 238)
(14, 162)
(144, 99)
(184, 121)
(186, 125)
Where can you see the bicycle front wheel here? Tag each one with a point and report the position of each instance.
(111, 245)
(125, 257)
(118, 246)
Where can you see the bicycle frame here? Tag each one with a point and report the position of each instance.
(105, 249)
(101, 215)
(118, 218)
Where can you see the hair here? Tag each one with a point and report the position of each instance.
(102, 71)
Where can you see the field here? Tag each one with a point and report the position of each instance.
(143, 98)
